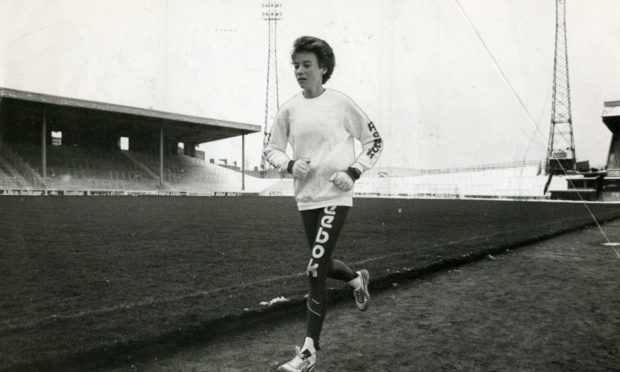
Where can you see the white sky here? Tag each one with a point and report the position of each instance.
(415, 66)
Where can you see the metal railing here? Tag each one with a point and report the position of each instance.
(483, 167)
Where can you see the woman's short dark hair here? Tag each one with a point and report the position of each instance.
(320, 48)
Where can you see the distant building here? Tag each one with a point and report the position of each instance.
(599, 185)
(611, 118)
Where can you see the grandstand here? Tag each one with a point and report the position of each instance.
(51, 144)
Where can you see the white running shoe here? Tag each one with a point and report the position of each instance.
(303, 362)
(362, 296)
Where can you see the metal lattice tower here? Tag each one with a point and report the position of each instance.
(272, 13)
(561, 150)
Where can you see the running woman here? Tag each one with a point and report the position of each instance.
(321, 126)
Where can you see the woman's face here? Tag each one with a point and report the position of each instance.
(307, 71)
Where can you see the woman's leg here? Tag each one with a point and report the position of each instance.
(337, 270)
(327, 224)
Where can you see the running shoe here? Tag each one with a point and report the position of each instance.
(362, 296)
(303, 361)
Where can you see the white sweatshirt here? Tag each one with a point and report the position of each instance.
(322, 130)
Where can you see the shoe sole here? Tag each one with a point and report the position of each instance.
(304, 370)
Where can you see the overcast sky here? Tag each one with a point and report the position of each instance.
(415, 66)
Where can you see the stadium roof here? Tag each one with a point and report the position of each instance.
(72, 112)
(611, 108)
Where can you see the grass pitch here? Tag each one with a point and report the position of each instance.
(81, 275)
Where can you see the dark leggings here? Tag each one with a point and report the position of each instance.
(323, 227)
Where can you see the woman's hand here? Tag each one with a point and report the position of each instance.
(342, 181)
(301, 167)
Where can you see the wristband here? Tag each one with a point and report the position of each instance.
(289, 167)
(354, 173)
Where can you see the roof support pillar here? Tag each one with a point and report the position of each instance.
(161, 155)
(44, 144)
(242, 161)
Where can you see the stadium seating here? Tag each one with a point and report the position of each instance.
(79, 168)
(497, 182)
(74, 168)
(184, 173)
(488, 182)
